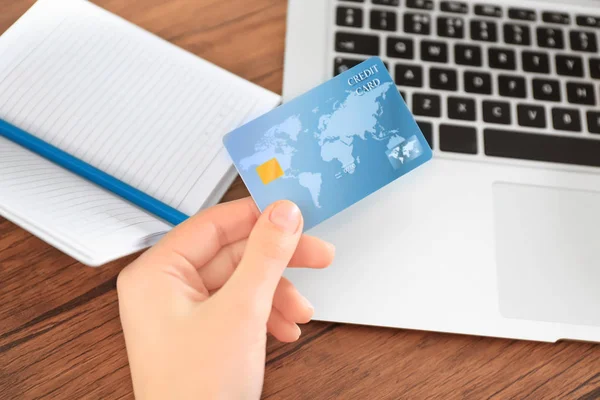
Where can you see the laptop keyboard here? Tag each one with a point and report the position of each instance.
(485, 80)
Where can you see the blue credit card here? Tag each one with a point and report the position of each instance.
(332, 146)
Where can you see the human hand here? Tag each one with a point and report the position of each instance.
(196, 307)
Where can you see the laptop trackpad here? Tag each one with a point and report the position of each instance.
(548, 253)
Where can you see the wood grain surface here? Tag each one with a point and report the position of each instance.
(60, 335)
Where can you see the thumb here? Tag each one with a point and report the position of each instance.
(269, 248)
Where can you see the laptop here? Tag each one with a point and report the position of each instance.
(500, 234)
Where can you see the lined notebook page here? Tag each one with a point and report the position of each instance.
(68, 211)
(123, 100)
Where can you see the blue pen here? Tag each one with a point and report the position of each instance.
(91, 173)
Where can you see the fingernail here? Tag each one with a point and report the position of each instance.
(331, 247)
(307, 304)
(286, 215)
(298, 332)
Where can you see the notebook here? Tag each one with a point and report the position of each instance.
(91, 90)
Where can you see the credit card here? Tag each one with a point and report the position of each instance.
(332, 146)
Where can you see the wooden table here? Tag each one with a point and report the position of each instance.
(60, 335)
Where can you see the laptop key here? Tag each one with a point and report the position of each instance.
(477, 82)
(403, 94)
(546, 89)
(344, 64)
(501, 58)
(550, 38)
(512, 86)
(434, 51)
(458, 7)
(497, 112)
(420, 4)
(442, 78)
(452, 27)
(427, 105)
(522, 14)
(588, 20)
(531, 115)
(387, 2)
(581, 93)
(400, 48)
(465, 54)
(535, 147)
(483, 30)
(384, 20)
(408, 75)
(556, 18)
(458, 139)
(583, 41)
(517, 34)
(593, 120)
(566, 119)
(569, 65)
(357, 43)
(534, 61)
(595, 68)
(349, 16)
(427, 130)
(486, 10)
(418, 23)
(461, 108)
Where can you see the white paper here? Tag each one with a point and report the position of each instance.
(124, 101)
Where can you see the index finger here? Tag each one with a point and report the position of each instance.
(200, 238)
